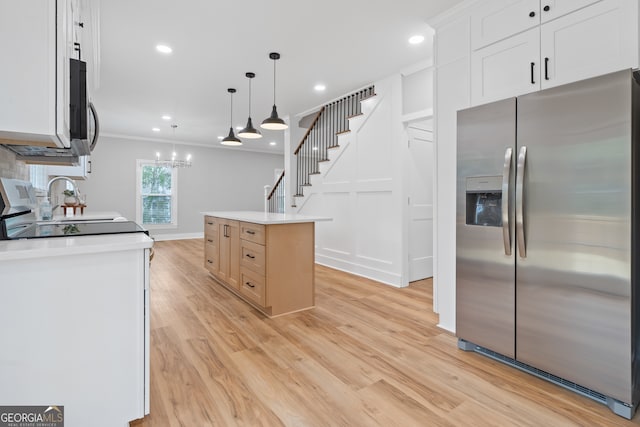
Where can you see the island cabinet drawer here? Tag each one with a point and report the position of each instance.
(211, 239)
(211, 226)
(252, 286)
(211, 258)
(252, 232)
(252, 256)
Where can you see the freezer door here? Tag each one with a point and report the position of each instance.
(485, 271)
(574, 280)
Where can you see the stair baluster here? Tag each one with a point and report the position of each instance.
(330, 121)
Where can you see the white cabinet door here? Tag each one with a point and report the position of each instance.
(495, 20)
(596, 40)
(507, 68)
(552, 9)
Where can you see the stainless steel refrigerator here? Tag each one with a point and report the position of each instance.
(547, 245)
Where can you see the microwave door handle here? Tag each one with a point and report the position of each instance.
(506, 174)
(96, 132)
(522, 161)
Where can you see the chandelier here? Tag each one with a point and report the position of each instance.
(174, 162)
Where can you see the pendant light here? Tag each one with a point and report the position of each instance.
(274, 122)
(249, 131)
(231, 138)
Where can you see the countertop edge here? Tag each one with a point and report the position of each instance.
(13, 250)
(258, 217)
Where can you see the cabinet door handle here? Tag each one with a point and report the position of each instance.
(546, 8)
(250, 232)
(250, 285)
(533, 67)
(532, 14)
(546, 68)
(250, 256)
(224, 232)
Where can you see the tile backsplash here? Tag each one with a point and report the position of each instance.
(12, 168)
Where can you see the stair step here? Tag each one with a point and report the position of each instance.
(298, 195)
(314, 173)
(332, 146)
(305, 185)
(343, 132)
(354, 116)
(324, 160)
(368, 97)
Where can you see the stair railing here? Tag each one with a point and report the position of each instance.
(331, 120)
(275, 199)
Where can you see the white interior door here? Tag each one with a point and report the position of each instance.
(420, 200)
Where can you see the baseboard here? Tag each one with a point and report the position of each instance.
(180, 236)
(386, 277)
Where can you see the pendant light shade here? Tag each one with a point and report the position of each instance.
(231, 138)
(274, 122)
(249, 131)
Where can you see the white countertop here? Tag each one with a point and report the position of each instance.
(266, 217)
(11, 250)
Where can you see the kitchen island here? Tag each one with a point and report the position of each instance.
(267, 259)
(75, 326)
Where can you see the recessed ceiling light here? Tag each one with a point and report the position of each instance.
(220, 137)
(165, 117)
(156, 129)
(163, 48)
(417, 39)
(272, 143)
(319, 87)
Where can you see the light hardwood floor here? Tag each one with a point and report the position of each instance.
(366, 355)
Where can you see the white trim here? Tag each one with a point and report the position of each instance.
(386, 277)
(177, 236)
(420, 66)
(417, 116)
(174, 197)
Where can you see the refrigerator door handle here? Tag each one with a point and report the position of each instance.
(522, 160)
(506, 173)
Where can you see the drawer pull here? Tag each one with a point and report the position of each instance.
(250, 256)
(210, 223)
(251, 232)
(209, 261)
(209, 240)
(250, 285)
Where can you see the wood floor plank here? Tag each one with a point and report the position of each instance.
(367, 355)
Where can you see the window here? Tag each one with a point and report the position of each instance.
(156, 195)
(38, 176)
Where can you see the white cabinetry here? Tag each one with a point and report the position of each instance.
(593, 40)
(34, 76)
(506, 68)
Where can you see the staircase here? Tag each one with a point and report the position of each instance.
(331, 121)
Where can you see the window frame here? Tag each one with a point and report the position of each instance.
(140, 163)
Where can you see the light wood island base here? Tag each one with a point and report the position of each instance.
(270, 266)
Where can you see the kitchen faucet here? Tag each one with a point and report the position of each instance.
(59, 178)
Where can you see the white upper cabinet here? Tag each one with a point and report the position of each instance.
(505, 68)
(496, 20)
(587, 39)
(596, 40)
(34, 77)
(552, 9)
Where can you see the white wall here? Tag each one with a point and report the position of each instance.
(220, 179)
(361, 188)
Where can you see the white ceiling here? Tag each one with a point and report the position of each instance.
(344, 44)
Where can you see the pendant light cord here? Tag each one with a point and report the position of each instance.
(250, 97)
(274, 82)
(231, 100)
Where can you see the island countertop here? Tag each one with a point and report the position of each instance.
(265, 218)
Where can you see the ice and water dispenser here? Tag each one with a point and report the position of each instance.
(484, 201)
